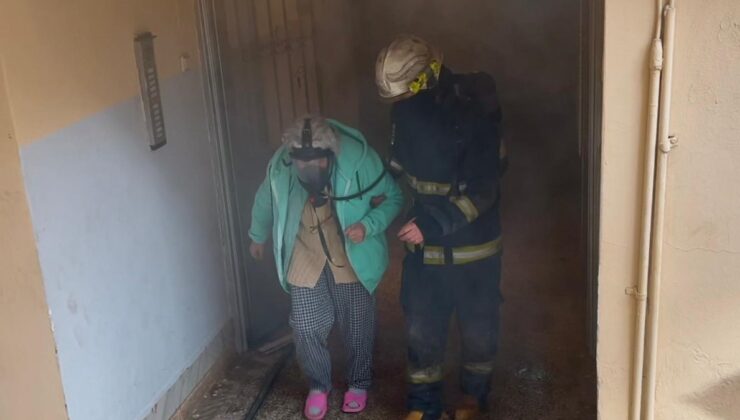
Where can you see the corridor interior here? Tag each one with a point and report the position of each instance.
(281, 58)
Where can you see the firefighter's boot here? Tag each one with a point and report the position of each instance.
(415, 415)
(469, 409)
(419, 415)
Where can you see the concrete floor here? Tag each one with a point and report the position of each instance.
(543, 369)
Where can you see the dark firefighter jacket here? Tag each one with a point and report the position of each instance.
(446, 142)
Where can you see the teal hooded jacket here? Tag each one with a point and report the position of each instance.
(280, 200)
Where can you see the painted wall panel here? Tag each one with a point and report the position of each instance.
(130, 251)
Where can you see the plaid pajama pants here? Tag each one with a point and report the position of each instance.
(313, 313)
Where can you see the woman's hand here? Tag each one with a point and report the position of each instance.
(356, 233)
(257, 251)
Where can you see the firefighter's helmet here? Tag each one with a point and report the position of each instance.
(406, 66)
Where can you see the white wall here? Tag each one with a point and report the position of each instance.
(698, 361)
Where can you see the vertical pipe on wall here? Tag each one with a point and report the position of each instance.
(647, 291)
(665, 143)
(641, 290)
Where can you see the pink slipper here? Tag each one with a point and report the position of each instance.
(354, 401)
(316, 405)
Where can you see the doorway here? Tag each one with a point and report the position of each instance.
(273, 60)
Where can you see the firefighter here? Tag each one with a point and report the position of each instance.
(446, 143)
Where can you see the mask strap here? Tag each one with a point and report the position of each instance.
(306, 134)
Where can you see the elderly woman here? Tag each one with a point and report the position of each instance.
(327, 201)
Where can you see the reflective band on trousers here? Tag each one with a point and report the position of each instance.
(479, 368)
(428, 375)
(435, 255)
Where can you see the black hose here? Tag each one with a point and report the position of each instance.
(362, 191)
(268, 384)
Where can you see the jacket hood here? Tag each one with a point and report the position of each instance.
(352, 148)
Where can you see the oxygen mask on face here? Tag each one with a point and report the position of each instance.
(314, 176)
(313, 166)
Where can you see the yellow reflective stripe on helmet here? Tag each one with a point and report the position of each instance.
(466, 207)
(422, 80)
(502, 152)
(436, 67)
(479, 368)
(428, 375)
(419, 84)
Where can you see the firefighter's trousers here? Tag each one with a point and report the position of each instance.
(430, 294)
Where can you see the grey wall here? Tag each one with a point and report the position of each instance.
(336, 54)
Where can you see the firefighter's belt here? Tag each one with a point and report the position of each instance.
(439, 255)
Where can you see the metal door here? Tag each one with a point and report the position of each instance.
(267, 74)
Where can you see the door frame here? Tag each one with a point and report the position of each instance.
(590, 138)
(590, 109)
(218, 138)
